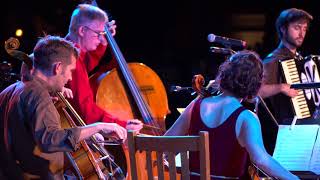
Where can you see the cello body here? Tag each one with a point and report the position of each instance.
(212, 89)
(89, 161)
(82, 163)
(113, 96)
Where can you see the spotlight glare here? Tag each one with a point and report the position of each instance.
(19, 32)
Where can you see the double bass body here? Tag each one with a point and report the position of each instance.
(133, 91)
(114, 96)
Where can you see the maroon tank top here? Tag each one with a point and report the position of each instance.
(227, 157)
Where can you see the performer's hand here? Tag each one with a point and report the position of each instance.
(99, 137)
(134, 124)
(113, 131)
(285, 89)
(67, 92)
(112, 27)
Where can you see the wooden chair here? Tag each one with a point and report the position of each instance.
(171, 145)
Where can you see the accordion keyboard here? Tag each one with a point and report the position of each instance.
(299, 102)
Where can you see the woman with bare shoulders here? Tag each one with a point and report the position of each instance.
(234, 131)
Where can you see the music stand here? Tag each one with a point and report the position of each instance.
(305, 85)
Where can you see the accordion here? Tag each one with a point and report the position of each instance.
(303, 71)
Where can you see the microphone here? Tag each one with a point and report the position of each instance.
(228, 42)
(223, 51)
(179, 88)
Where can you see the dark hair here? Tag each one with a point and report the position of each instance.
(51, 49)
(242, 74)
(291, 15)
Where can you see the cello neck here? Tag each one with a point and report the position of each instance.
(71, 109)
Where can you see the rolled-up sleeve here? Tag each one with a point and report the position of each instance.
(46, 125)
(271, 72)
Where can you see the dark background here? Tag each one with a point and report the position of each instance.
(168, 36)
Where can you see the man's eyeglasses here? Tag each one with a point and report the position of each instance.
(99, 33)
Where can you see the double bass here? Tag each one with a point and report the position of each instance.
(90, 160)
(133, 91)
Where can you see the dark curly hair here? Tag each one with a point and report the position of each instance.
(242, 74)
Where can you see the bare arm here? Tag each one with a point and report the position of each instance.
(270, 85)
(107, 129)
(250, 137)
(51, 137)
(181, 126)
(268, 90)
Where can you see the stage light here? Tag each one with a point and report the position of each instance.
(19, 32)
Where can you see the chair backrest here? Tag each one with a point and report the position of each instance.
(170, 145)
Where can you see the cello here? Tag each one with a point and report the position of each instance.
(90, 160)
(212, 89)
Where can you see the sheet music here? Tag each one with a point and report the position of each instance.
(294, 146)
(180, 110)
(178, 160)
(315, 158)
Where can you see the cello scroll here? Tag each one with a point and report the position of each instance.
(198, 86)
(89, 161)
(11, 46)
(212, 90)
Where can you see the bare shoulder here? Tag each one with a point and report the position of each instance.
(248, 117)
(190, 106)
(181, 125)
(248, 128)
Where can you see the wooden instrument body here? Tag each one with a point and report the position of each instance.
(83, 163)
(203, 92)
(114, 97)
